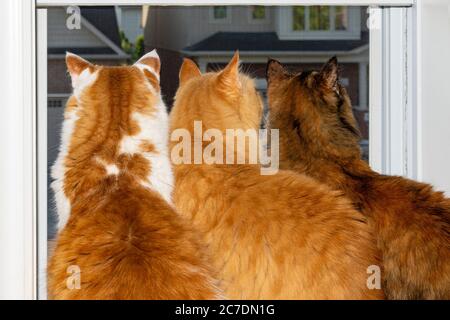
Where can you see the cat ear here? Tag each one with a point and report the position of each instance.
(188, 71)
(150, 60)
(76, 65)
(275, 70)
(329, 74)
(229, 77)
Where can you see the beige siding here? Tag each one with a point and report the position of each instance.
(60, 36)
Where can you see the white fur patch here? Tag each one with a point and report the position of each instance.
(59, 169)
(151, 54)
(154, 130)
(142, 66)
(82, 81)
(111, 169)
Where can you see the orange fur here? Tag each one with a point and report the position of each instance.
(270, 237)
(128, 241)
(319, 137)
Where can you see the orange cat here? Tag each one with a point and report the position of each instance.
(319, 137)
(270, 236)
(121, 238)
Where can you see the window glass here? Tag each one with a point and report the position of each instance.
(220, 12)
(258, 12)
(341, 18)
(319, 18)
(298, 18)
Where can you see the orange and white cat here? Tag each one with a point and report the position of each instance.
(319, 137)
(113, 183)
(276, 236)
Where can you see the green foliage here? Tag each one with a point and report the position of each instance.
(259, 12)
(298, 18)
(139, 48)
(319, 18)
(135, 50)
(220, 12)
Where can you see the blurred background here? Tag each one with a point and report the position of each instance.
(301, 37)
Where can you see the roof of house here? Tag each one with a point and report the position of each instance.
(83, 50)
(102, 18)
(269, 41)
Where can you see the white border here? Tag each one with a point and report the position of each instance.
(375, 94)
(395, 91)
(42, 151)
(393, 110)
(414, 95)
(47, 3)
(18, 256)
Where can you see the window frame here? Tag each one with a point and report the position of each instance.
(394, 121)
(23, 229)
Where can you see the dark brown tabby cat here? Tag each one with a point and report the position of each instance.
(319, 137)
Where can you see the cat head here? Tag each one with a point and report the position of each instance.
(109, 107)
(313, 110)
(221, 100)
(105, 95)
(87, 78)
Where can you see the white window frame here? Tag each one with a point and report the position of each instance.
(23, 171)
(286, 32)
(394, 126)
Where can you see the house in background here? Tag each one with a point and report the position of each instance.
(301, 37)
(129, 20)
(98, 41)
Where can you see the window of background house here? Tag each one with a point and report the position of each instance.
(340, 18)
(258, 12)
(319, 22)
(220, 13)
(319, 18)
(298, 21)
